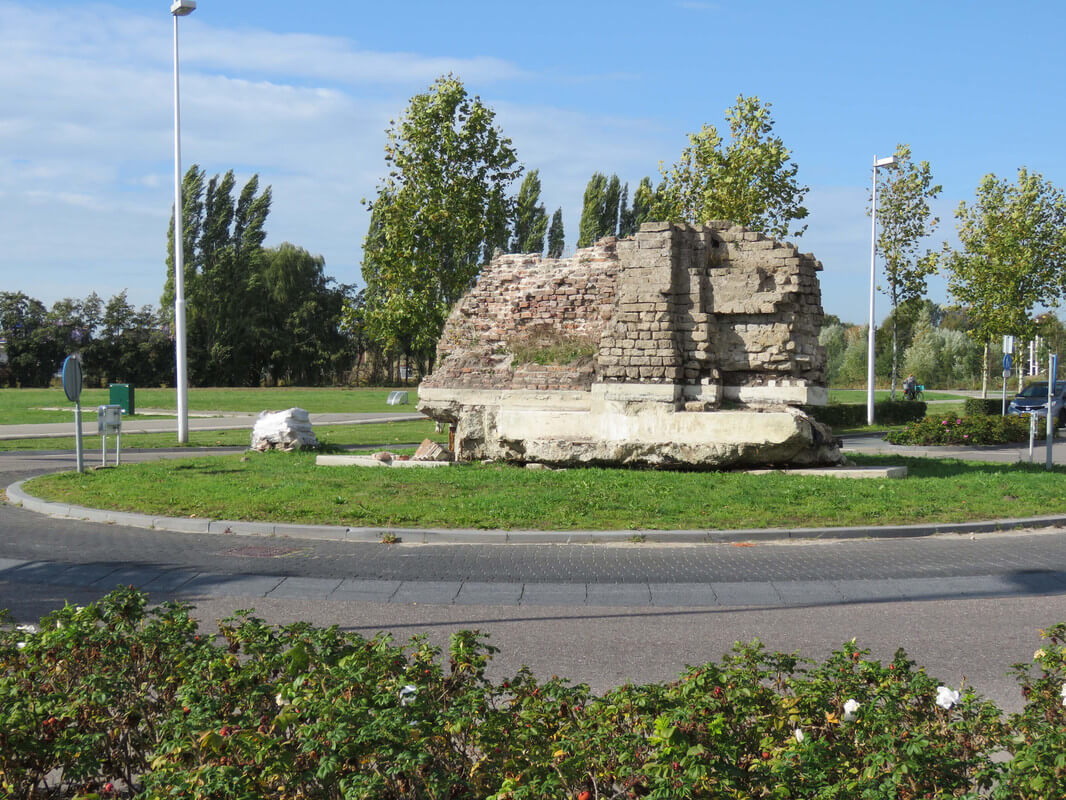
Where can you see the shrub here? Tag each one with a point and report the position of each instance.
(117, 700)
(981, 406)
(976, 430)
(849, 415)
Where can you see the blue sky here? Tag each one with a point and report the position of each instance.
(302, 93)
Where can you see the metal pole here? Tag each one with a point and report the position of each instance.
(1053, 368)
(179, 266)
(1032, 436)
(77, 437)
(870, 348)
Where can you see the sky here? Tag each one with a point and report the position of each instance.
(302, 94)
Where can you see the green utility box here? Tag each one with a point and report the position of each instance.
(122, 395)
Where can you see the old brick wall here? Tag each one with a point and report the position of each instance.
(674, 304)
(528, 299)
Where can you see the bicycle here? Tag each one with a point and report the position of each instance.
(917, 393)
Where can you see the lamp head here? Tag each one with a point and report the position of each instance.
(182, 8)
(889, 161)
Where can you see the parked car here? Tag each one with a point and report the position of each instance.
(1033, 400)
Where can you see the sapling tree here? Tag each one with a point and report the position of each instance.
(904, 219)
(1013, 243)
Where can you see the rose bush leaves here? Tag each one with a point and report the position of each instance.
(117, 699)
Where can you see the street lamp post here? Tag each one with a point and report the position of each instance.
(179, 8)
(890, 161)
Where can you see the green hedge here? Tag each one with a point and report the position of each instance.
(117, 700)
(982, 406)
(850, 415)
(980, 429)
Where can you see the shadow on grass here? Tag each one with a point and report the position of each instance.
(952, 467)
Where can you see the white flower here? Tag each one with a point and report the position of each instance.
(26, 628)
(1064, 694)
(20, 645)
(281, 701)
(407, 694)
(799, 735)
(850, 708)
(946, 697)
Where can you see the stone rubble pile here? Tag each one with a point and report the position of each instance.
(283, 430)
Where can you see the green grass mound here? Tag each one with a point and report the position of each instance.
(288, 487)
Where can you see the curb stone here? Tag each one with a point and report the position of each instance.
(17, 496)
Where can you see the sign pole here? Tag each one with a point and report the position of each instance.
(72, 389)
(1053, 368)
(77, 437)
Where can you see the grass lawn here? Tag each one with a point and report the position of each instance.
(384, 433)
(859, 395)
(19, 406)
(289, 487)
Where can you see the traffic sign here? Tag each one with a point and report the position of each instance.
(72, 378)
(1008, 362)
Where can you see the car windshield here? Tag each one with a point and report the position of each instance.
(1040, 389)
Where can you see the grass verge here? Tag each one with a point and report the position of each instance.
(289, 487)
(25, 406)
(859, 395)
(383, 433)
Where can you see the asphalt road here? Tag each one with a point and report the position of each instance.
(963, 606)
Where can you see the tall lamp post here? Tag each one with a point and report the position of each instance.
(179, 8)
(890, 161)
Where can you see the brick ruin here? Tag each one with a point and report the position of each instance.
(679, 346)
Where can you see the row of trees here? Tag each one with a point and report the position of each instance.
(118, 343)
(254, 315)
(444, 208)
(937, 344)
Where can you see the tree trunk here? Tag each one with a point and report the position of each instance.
(984, 374)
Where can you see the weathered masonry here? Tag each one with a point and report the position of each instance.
(680, 346)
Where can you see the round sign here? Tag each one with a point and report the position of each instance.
(72, 378)
(1008, 362)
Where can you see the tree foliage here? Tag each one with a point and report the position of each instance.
(904, 220)
(441, 207)
(253, 314)
(1013, 243)
(556, 235)
(751, 180)
(117, 342)
(531, 220)
(592, 210)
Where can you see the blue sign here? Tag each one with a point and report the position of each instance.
(1007, 362)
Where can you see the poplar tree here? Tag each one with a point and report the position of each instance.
(556, 236)
(592, 210)
(531, 220)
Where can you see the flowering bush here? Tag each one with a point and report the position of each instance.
(956, 430)
(116, 700)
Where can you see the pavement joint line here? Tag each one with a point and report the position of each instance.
(19, 497)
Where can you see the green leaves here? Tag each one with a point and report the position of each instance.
(1013, 245)
(296, 712)
(751, 180)
(441, 207)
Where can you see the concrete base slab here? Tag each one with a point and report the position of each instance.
(370, 461)
(838, 472)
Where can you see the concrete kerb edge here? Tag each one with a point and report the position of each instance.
(17, 496)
